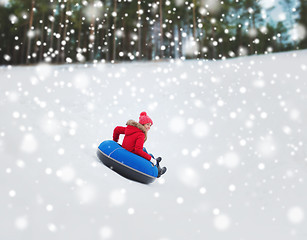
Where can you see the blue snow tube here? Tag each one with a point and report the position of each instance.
(126, 163)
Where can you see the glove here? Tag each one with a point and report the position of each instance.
(153, 161)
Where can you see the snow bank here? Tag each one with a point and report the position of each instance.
(232, 134)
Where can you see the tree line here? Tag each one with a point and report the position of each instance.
(67, 31)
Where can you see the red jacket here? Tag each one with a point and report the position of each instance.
(135, 136)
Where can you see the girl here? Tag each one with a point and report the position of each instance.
(135, 136)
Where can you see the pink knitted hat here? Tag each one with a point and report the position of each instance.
(144, 118)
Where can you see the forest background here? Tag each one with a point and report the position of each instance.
(69, 31)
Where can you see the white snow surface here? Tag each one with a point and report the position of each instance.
(232, 134)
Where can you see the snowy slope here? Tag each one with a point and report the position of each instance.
(232, 134)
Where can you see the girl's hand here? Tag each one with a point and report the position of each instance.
(153, 161)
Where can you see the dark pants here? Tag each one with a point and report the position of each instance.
(158, 166)
(145, 150)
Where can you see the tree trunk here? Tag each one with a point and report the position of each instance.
(79, 33)
(107, 40)
(127, 42)
(213, 47)
(30, 29)
(41, 48)
(52, 31)
(92, 39)
(16, 52)
(139, 30)
(161, 29)
(123, 38)
(114, 31)
(201, 39)
(9, 47)
(59, 39)
(102, 39)
(36, 48)
(144, 40)
(23, 45)
(179, 40)
(194, 20)
(62, 53)
(238, 40)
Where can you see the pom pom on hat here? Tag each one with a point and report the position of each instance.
(144, 118)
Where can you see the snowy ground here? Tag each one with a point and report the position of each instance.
(232, 134)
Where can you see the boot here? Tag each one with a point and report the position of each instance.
(158, 159)
(161, 171)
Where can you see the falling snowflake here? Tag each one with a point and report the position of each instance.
(106, 232)
(295, 215)
(230, 160)
(29, 143)
(177, 124)
(221, 222)
(117, 197)
(21, 223)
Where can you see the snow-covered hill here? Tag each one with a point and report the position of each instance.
(232, 134)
